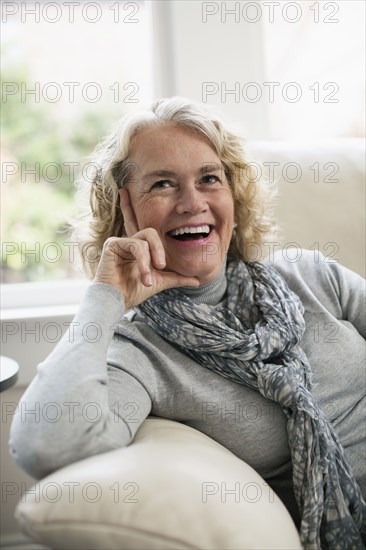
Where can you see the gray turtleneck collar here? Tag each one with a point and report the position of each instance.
(211, 293)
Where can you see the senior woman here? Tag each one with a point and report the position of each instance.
(175, 210)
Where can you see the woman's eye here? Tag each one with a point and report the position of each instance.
(210, 178)
(161, 184)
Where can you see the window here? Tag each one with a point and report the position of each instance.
(70, 70)
(314, 56)
(278, 69)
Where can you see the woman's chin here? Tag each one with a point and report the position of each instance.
(203, 262)
(206, 272)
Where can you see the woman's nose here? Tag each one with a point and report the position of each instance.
(191, 200)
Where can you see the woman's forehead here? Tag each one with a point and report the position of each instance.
(171, 145)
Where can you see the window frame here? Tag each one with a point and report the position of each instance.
(38, 299)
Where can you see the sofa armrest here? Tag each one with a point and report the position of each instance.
(173, 487)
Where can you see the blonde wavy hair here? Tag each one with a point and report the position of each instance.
(111, 168)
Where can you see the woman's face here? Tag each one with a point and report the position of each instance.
(179, 188)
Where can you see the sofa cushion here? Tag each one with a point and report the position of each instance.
(321, 196)
(173, 487)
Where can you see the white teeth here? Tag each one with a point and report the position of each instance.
(182, 230)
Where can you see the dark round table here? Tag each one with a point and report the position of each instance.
(9, 372)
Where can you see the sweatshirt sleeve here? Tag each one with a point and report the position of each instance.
(352, 295)
(78, 405)
(341, 291)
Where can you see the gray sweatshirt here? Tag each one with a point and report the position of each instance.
(110, 371)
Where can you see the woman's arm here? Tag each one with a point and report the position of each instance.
(78, 405)
(341, 291)
(352, 295)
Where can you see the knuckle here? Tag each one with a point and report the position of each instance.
(131, 246)
(152, 233)
(110, 243)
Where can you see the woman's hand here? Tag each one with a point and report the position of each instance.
(134, 264)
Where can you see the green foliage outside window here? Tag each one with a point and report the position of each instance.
(36, 137)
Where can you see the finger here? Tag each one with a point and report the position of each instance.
(139, 251)
(156, 247)
(144, 267)
(129, 218)
(172, 280)
(133, 250)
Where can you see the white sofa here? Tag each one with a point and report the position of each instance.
(171, 487)
(321, 201)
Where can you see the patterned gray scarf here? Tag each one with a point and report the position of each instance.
(253, 340)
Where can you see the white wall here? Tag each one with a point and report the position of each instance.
(202, 58)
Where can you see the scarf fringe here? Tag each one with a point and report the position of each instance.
(323, 485)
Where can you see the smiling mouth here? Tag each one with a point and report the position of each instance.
(191, 233)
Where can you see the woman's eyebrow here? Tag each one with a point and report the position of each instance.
(159, 174)
(203, 169)
(211, 167)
